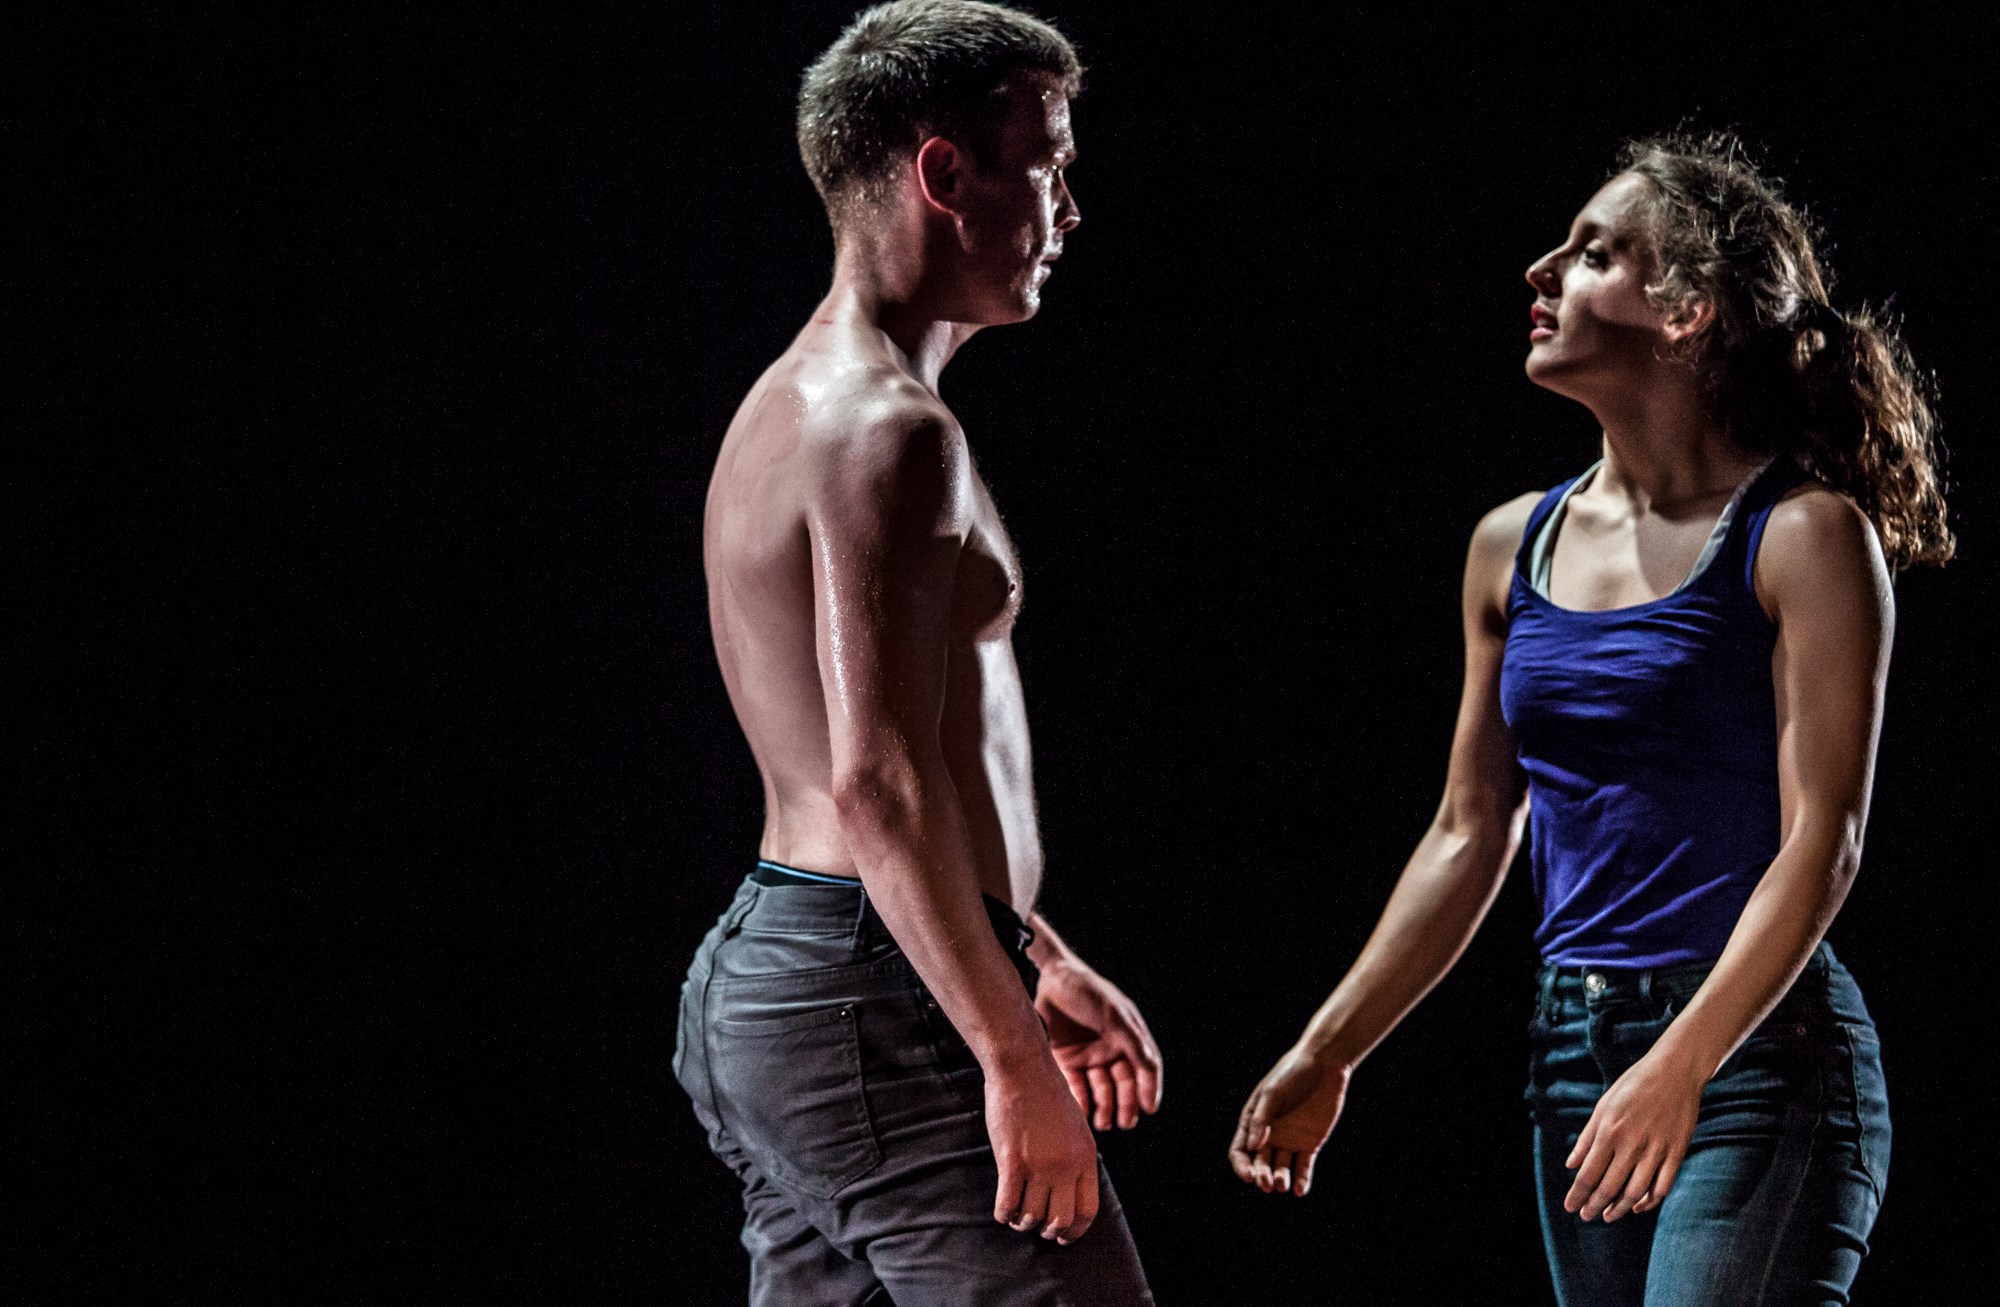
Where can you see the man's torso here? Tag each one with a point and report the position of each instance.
(784, 447)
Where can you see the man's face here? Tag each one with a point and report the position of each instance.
(1016, 210)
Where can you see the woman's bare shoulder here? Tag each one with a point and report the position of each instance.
(1499, 532)
(1818, 544)
(1489, 563)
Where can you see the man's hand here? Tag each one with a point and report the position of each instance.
(1638, 1133)
(1100, 1042)
(1047, 1157)
(1287, 1121)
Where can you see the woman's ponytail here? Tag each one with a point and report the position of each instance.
(1784, 370)
(1869, 431)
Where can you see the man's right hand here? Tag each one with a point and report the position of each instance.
(1287, 1120)
(1047, 1155)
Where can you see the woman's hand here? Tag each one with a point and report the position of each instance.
(1626, 1158)
(1287, 1121)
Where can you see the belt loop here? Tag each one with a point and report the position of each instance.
(1646, 986)
(741, 908)
(857, 942)
(1545, 999)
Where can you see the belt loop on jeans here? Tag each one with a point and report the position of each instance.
(1646, 986)
(741, 908)
(857, 941)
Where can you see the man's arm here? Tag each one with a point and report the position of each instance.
(1440, 899)
(886, 537)
(1824, 580)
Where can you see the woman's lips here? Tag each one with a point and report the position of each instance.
(1544, 323)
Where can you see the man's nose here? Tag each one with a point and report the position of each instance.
(1068, 215)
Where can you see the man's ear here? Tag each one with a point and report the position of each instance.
(940, 169)
(1688, 319)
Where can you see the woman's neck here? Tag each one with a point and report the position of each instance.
(1662, 447)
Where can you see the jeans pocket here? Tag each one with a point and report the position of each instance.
(789, 1089)
(1774, 1074)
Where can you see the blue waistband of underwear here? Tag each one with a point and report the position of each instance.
(777, 873)
(1013, 932)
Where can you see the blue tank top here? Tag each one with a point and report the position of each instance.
(1649, 738)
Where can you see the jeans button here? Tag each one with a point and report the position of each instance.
(1593, 984)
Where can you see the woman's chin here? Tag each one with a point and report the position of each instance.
(1565, 378)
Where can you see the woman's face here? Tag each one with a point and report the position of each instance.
(1593, 328)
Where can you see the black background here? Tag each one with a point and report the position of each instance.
(374, 780)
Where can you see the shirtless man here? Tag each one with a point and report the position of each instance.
(862, 1032)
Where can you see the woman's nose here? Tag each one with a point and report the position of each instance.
(1541, 275)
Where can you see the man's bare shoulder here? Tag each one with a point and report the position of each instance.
(872, 435)
(873, 414)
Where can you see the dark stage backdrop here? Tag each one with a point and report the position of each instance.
(366, 380)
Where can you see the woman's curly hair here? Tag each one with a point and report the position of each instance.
(1784, 370)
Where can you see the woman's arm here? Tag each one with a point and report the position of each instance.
(1437, 904)
(1821, 576)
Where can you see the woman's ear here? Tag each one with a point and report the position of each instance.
(1688, 319)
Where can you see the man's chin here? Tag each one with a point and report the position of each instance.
(1002, 315)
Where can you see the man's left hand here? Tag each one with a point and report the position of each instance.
(1101, 1043)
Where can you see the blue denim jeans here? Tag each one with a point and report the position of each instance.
(828, 1079)
(1785, 1171)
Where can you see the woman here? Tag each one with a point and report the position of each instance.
(1674, 667)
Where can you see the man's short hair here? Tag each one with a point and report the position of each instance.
(913, 69)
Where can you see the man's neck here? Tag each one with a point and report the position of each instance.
(888, 286)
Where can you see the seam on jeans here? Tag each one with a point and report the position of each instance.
(739, 910)
(780, 1025)
(807, 976)
(1860, 1120)
(1805, 1172)
(1599, 1038)
(939, 1034)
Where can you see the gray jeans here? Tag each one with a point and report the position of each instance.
(830, 1082)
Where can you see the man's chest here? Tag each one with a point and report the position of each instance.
(986, 596)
